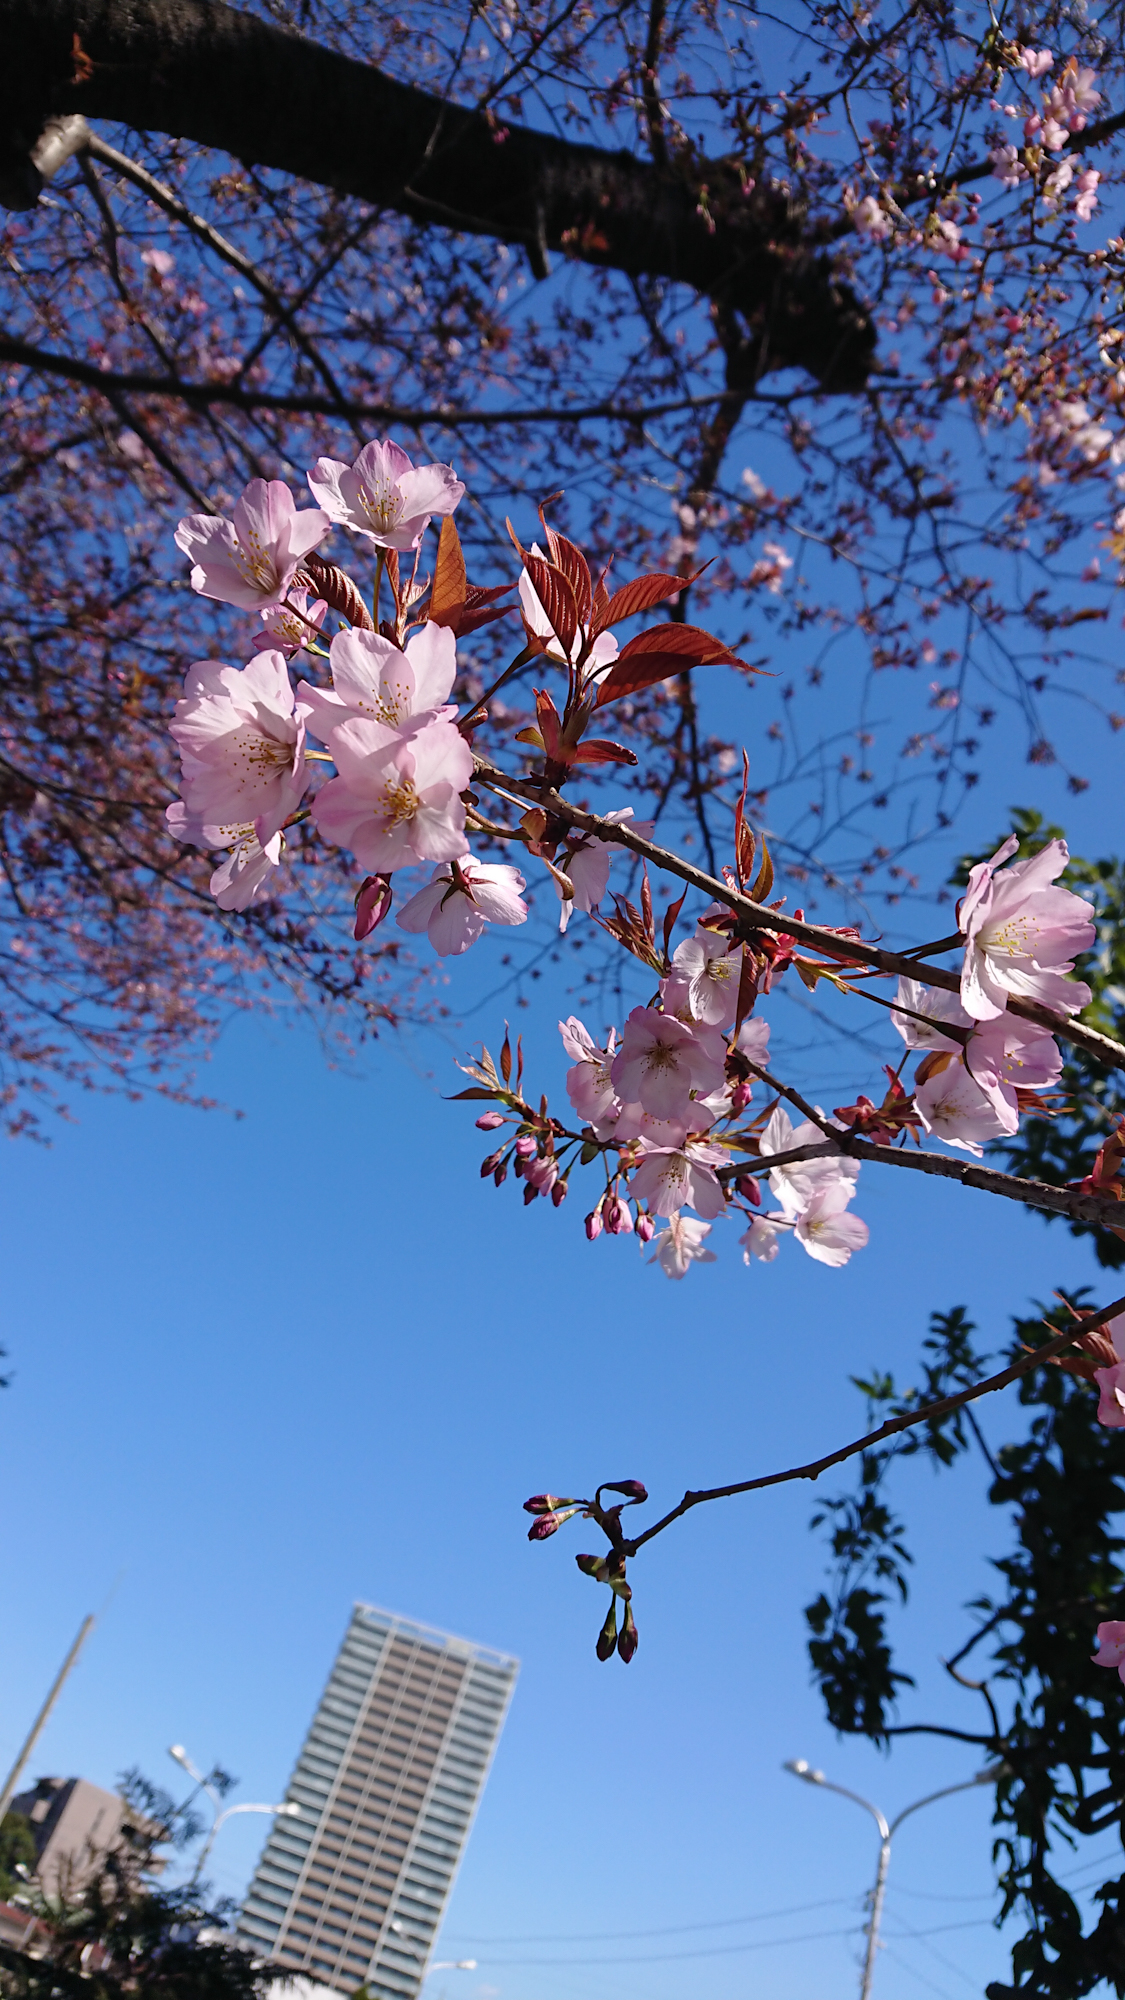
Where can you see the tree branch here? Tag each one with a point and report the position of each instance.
(928, 1413)
(200, 70)
(757, 916)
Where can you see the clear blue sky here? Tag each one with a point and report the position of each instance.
(265, 1367)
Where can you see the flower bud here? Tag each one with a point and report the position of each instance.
(607, 1637)
(373, 902)
(558, 1193)
(500, 1176)
(530, 1192)
(489, 1120)
(594, 1566)
(627, 1643)
(490, 1165)
(633, 1489)
(525, 1146)
(646, 1228)
(549, 1524)
(618, 1217)
(749, 1187)
(543, 1503)
(593, 1225)
(740, 1097)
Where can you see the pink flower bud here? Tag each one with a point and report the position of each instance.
(646, 1228)
(607, 1637)
(547, 1524)
(500, 1176)
(633, 1489)
(373, 903)
(530, 1193)
(558, 1193)
(525, 1146)
(490, 1165)
(627, 1643)
(740, 1097)
(543, 1503)
(594, 1225)
(489, 1120)
(750, 1189)
(618, 1217)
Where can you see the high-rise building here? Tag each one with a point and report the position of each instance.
(353, 1890)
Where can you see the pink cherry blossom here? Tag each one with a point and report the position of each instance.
(796, 1186)
(1075, 95)
(286, 630)
(754, 1040)
(660, 1062)
(1111, 1645)
(588, 1085)
(371, 677)
(668, 1180)
(237, 881)
(761, 1239)
(396, 799)
(251, 559)
(634, 1122)
(241, 738)
(1111, 1381)
(537, 625)
(384, 495)
(703, 983)
(953, 1107)
(939, 1007)
(1022, 934)
(462, 897)
(1086, 194)
(826, 1231)
(1006, 1055)
(1007, 165)
(1036, 62)
(868, 218)
(585, 863)
(682, 1244)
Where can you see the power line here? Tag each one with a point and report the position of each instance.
(665, 1930)
(667, 1957)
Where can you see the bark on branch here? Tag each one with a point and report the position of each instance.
(200, 70)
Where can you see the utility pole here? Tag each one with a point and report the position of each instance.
(16, 1772)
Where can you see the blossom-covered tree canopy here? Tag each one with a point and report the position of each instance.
(831, 307)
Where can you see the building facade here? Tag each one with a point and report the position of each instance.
(78, 1829)
(352, 1892)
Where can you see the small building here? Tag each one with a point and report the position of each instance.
(76, 1826)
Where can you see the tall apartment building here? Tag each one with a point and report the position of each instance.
(352, 1892)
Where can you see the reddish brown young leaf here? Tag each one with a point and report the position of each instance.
(547, 716)
(641, 595)
(646, 904)
(744, 841)
(571, 561)
(667, 649)
(556, 596)
(670, 916)
(338, 591)
(599, 750)
(764, 880)
(450, 586)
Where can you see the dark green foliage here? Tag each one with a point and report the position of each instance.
(1060, 1150)
(1052, 1720)
(17, 1844)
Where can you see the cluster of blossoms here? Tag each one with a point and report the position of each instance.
(667, 1107)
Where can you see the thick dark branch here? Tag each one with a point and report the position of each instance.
(756, 916)
(926, 1414)
(199, 70)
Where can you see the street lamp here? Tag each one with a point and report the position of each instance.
(801, 1768)
(177, 1752)
(442, 1964)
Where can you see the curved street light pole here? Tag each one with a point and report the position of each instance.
(801, 1768)
(179, 1755)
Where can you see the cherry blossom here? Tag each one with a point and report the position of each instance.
(1036, 62)
(682, 1244)
(461, 898)
(384, 495)
(1007, 1055)
(537, 624)
(761, 1239)
(703, 983)
(954, 1107)
(1086, 194)
(1007, 165)
(589, 1085)
(667, 1180)
(237, 881)
(241, 738)
(1022, 934)
(251, 559)
(396, 799)
(826, 1231)
(753, 1040)
(286, 627)
(585, 862)
(868, 218)
(373, 677)
(1111, 1645)
(796, 1185)
(939, 1007)
(1111, 1381)
(661, 1061)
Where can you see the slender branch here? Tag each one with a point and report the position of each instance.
(757, 916)
(928, 1413)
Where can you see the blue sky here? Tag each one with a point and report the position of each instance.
(270, 1365)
